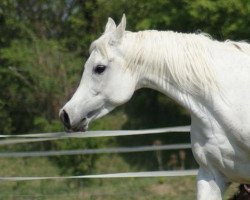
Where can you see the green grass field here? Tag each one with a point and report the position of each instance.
(174, 188)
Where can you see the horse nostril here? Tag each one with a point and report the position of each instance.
(65, 119)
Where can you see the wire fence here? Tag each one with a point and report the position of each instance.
(39, 137)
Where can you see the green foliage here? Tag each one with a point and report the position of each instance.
(5, 120)
(37, 75)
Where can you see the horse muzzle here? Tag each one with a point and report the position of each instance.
(82, 125)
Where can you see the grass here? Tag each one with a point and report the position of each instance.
(173, 188)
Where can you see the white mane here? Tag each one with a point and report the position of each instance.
(184, 60)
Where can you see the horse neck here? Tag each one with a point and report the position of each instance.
(188, 101)
(168, 62)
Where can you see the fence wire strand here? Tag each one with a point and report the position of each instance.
(41, 137)
(96, 151)
(192, 172)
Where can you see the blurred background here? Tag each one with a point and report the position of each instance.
(43, 47)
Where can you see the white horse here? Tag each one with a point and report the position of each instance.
(209, 78)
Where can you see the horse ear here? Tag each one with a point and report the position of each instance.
(120, 30)
(110, 26)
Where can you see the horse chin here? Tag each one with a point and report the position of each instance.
(83, 128)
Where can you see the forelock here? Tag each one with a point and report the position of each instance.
(100, 45)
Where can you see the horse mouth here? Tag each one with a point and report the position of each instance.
(92, 114)
(82, 126)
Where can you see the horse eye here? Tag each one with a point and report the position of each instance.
(99, 69)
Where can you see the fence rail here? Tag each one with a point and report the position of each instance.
(192, 172)
(104, 133)
(96, 151)
(39, 137)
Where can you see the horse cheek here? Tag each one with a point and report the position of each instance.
(120, 94)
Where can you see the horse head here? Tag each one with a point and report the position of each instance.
(105, 83)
